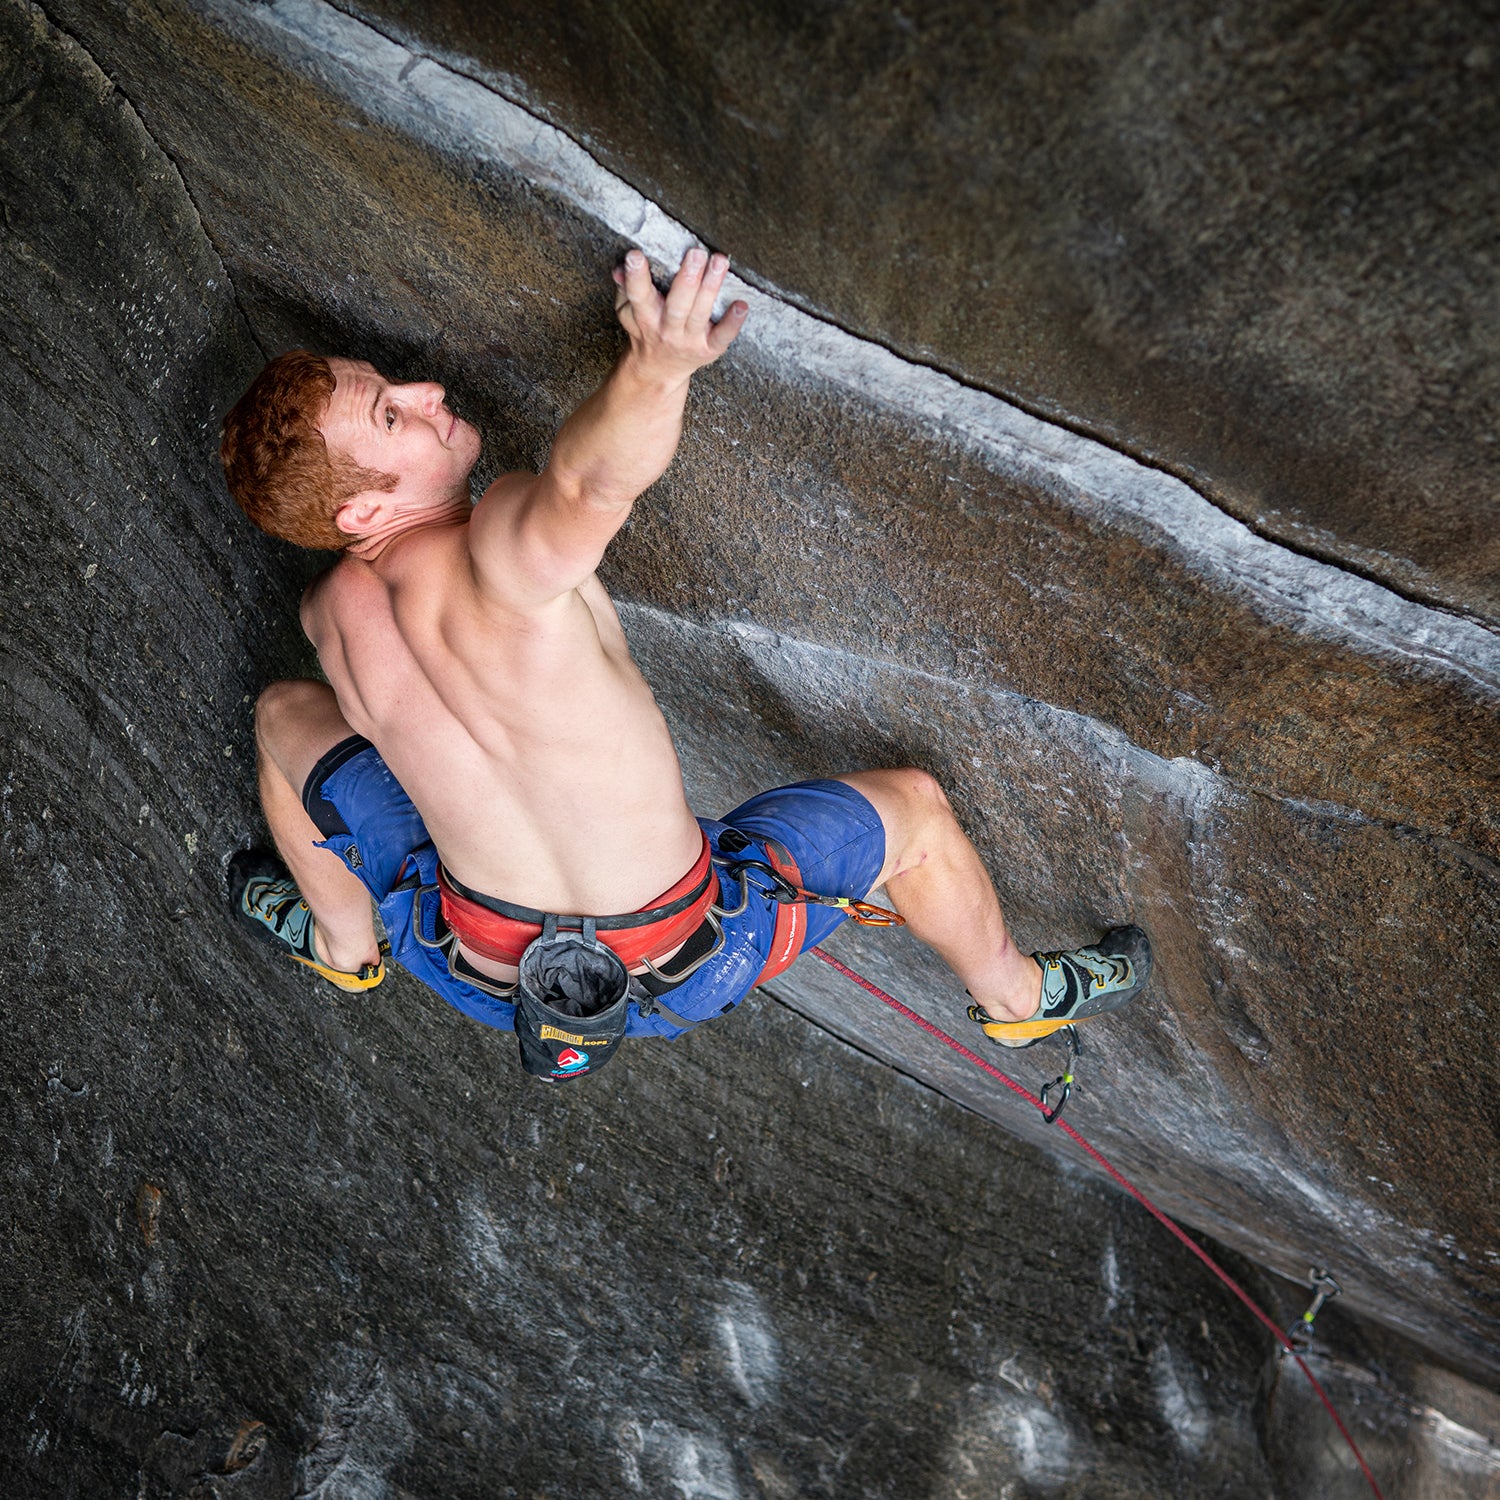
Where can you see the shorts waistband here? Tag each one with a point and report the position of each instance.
(502, 931)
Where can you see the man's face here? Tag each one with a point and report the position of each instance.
(400, 429)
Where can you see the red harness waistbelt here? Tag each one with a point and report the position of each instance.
(500, 931)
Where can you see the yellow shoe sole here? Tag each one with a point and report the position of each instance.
(366, 979)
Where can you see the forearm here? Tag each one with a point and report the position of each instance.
(620, 441)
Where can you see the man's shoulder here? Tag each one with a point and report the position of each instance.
(347, 572)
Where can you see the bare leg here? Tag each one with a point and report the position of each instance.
(296, 724)
(937, 882)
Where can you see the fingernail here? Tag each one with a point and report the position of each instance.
(697, 256)
(718, 262)
(635, 260)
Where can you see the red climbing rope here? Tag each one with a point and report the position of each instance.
(1124, 1182)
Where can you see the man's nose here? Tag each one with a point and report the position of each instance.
(427, 395)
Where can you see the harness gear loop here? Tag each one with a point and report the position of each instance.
(1325, 1289)
(1065, 1079)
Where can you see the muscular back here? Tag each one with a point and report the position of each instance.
(477, 650)
(526, 736)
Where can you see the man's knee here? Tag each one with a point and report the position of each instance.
(925, 789)
(296, 723)
(912, 805)
(916, 791)
(289, 710)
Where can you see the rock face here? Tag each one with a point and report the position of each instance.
(273, 1244)
(1253, 243)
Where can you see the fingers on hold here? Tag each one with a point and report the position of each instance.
(636, 277)
(685, 283)
(726, 330)
(708, 290)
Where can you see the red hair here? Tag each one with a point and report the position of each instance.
(279, 468)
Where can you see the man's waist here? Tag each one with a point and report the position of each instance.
(500, 931)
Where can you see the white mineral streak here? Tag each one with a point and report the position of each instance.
(1181, 1401)
(1460, 1448)
(659, 1458)
(485, 1254)
(363, 1433)
(1109, 1276)
(748, 1345)
(1004, 1432)
(419, 95)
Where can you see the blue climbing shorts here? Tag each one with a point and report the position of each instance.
(834, 834)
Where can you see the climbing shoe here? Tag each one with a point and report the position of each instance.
(1078, 985)
(268, 902)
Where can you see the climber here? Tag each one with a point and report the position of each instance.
(487, 762)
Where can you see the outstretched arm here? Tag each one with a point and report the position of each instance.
(536, 536)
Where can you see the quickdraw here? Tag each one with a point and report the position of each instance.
(1325, 1289)
(1065, 1079)
(787, 892)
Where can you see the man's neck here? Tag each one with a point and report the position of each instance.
(368, 548)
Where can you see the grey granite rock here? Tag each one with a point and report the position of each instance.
(1253, 243)
(270, 1241)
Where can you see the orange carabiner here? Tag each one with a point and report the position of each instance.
(873, 916)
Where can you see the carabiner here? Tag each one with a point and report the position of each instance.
(781, 889)
(869, 915)
(1064, 1080)
(1325, 1289)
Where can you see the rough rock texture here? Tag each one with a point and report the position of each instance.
(271, 1244)
(1186, 227)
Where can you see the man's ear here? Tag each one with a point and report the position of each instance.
(361, 514)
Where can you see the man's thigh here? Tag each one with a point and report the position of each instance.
(296, 724)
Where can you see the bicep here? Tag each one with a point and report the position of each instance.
(531, 538)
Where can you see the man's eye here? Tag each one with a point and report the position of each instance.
(390, 418)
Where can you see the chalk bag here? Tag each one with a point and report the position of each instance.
(572, 1000)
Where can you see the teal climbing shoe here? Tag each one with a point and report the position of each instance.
(267, 901)
(1077, 986)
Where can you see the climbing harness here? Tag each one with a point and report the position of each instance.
(1323, 1292)
(501, 930)
(1325, 1289)
(574, 987)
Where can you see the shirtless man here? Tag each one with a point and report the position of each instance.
(486, 752)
